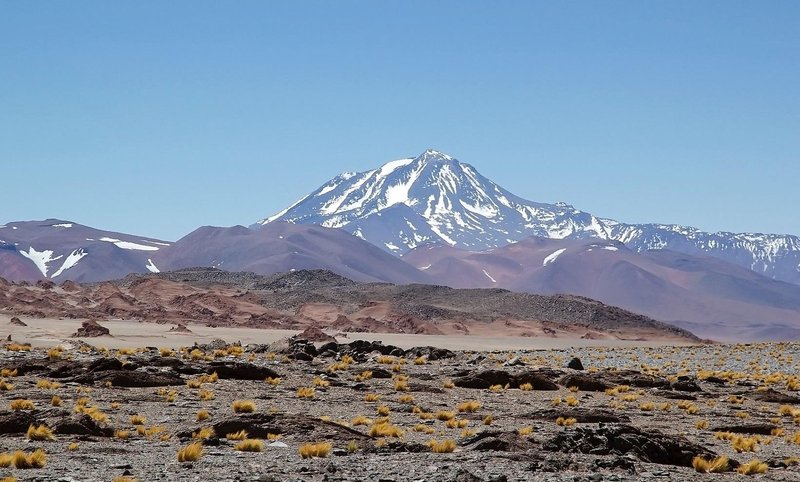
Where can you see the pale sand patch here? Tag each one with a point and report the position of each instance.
(132, 334)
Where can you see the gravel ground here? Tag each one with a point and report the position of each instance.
(623, 447)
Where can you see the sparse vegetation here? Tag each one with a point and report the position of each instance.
(713, 466)
(191, 452)
(313, 450)
(244, 406)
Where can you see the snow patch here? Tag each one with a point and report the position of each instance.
(71, 261)
(489, 276)
(62, 225)
(151, 267)
(553, 256)
(129, 245)
(40, 258)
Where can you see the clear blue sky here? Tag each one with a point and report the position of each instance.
(156, 117)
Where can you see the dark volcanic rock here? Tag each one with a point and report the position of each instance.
(240, 370)
(585, 382)
(753, 429)
(774, 396)
(312, 333)
(130, 378)
(81, 424)
(487, 378)
(258, 425)
(17, 321)
(575, 364)
(91, 329)
(15, 421)
(648, 446)
(430, 352)
(495, 440)
(581, 415)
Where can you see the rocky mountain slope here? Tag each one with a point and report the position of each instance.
(710, 297)
(62, 250)
(325, 300)
(434, 198)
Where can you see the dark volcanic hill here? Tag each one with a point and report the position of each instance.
(326, 300)
(283, 247)
(710, 297)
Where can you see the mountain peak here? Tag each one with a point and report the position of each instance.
(432, 155)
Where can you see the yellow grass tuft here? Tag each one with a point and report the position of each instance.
(311, 450)
(122, 434)
(138, 420)
(56, 401)
(445, 415)
(23, 460)
(360, 420)
(744, 444)
(372, 397)
(701, 424)
(571, 401)
(191, 452)
(525, 431)
(202, 415)
(647, 406)
(420, 360)
(204, 394)
(204, 433)
(385, 429)
(755, 466)
(40, 433)
(469, 406)
(448, 384)
(21, 404)
(305, 392)
(526, 387)
(407, 399)
(320, 382)
(249, 445)
(244, 406)
(713, 466)
(240, 435)
(565, 422)
(73, 446)
(487, 420)
(273, 381)
(443, 446)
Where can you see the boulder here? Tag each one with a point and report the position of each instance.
(575, 364)
(91, 329)
(240, 370)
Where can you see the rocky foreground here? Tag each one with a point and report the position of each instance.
(296, 410)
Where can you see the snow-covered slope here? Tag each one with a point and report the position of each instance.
(61, 250)
(434, 198)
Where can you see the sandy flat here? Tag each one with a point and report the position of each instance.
(126, 334)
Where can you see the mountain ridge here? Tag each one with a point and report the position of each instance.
(434, 198)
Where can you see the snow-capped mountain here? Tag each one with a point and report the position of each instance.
(434, 198)
(62, 250)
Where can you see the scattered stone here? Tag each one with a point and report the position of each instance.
(91, 329)
(16, 321)
(312, 333)
(240, 370)
(575, 364)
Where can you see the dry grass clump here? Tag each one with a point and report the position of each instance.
(647, 406)
(525, 431)
(365, 375)
(448, 384)
(372, 397)
(274, 381)
(73, 446)
(47, 385)
(443, 446)
(204, 433)
(455, 423)
(23, 460)
(755, 466)
(18, 347)
(249, 445)
(244, 406)
(9, 372)
(401, 384)
(56, 401)
(383, 410)
(713, 466)
(306, 392)
(21, 404)
(202, 415)
(191, 452)
(571, 401)
(5, 386)
(445, 415)
(205, 395)
(320, 382)
(407, 399)
(122, 434)
(166, 352)
(565, 422)
(360, 420)
(421, 427)
(138, 420)
(384, 428)
(526, 387)
(311, 450)
(744, 444)
(469, 406)
(420, 360)
(240, 435)
(488, 419)
(701, 424)
(39, 433)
